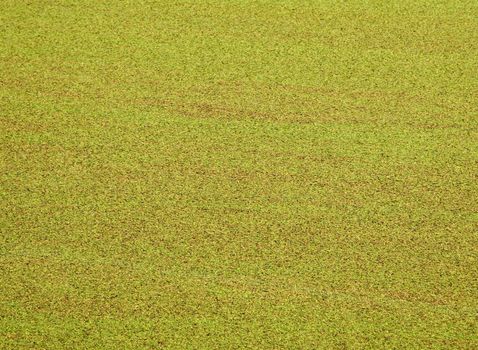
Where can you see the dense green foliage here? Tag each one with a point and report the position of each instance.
(238, 174)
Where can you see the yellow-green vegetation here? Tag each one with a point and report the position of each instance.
(238, 174)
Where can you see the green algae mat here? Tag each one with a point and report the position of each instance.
(238, 174)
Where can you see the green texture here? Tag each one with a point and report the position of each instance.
(238, 174)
